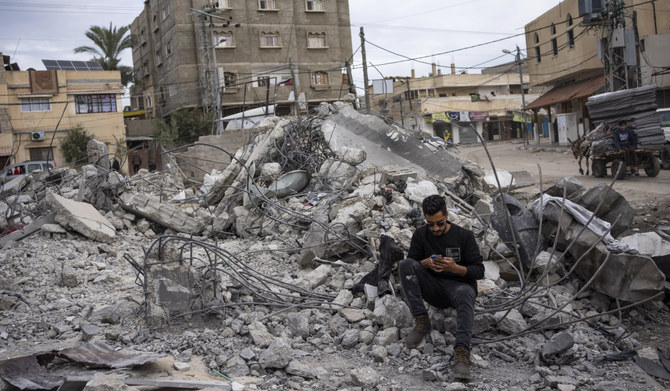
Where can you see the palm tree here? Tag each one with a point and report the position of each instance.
(109, 43)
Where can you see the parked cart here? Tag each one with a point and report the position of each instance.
(613, 160)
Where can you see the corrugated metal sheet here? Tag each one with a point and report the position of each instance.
(568, 92)
(25, 373)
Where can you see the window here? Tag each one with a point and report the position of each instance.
(229, 79)
(554, 46)
(165, 12)
(316, 40)
(267, 4)
(314, 5)
(220, 4)
(101, 103)
(263, 81)
(159, 58)
(169, 48)
(553, 29)
(568, 20)
(571, 38)
(270, 40)
(35, 104)
(222, 40)
(40, 154)
(537, 38)
(538, 54)
(320, 78)
(172, 89)
(149, 102)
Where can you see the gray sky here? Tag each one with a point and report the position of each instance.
(51, 29)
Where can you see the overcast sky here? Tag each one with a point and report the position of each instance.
(51, 29)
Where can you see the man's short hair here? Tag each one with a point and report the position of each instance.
(433, 204)
(623, 122)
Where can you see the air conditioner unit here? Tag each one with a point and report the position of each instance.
(37, 136)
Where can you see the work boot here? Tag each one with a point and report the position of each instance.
(421, 328)
(462, 363)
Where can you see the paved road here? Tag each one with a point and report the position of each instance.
(557, 163)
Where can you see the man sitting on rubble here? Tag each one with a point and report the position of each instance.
(442, 267)
(625, 139)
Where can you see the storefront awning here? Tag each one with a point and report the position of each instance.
(568, 92)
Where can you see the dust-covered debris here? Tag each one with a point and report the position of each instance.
(292, 292)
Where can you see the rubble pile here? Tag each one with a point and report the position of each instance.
(279, 273)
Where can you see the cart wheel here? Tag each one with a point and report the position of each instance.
(652, 166)
(615, 169)
(665, 157)
(598, 168)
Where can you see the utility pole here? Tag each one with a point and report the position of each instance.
(296, 105)
(350, 79)
(621, 65)
(524, 129)
(217, 83)
(365, 71)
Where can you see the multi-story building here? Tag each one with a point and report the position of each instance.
(38, 108)
(252, 44)
(488, 103)
(565, 51)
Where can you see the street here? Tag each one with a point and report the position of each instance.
(641, 191)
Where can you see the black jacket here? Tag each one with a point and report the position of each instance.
(458, 243)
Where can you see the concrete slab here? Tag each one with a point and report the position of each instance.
(166, 215)
(81, 217)
(386, 145)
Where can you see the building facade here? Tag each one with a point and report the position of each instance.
(488, 103)
(565, 51)
(38, 108)
(262, 51)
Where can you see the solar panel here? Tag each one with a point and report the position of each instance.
(67, 65)
(50, 64)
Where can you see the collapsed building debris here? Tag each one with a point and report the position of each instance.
(297, 290)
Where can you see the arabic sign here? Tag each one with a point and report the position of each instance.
(518, 117)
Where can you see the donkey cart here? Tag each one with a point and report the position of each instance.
(613, 160)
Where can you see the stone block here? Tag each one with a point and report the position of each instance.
(81, 217)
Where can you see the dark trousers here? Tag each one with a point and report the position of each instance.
(419, 285)
(629, 156)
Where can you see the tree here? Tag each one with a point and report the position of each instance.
(109, 43)
(74, 145)
(183, 127)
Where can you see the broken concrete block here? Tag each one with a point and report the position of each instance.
(260, 335)
(298, 323)
(386, 337)
(89, 331)
(512, 323)
(491, 270)
(81, 217)
(336, 174)
(278, 355)
(181, 366)
(104, 382)
(614, 207)
(573, 187)
(351, 155)
(391, 311)
(171, 296)
(97, 154)
(305, 370)
(418, 191)
(365, 377)
(164, 214)
(352, 315)
(318, 276)
(350, 338)
(344, 298)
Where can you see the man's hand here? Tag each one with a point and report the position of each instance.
(443, 264)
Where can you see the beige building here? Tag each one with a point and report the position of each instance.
(563, 49)
(38, 108)
(488, 103)
(254, 41)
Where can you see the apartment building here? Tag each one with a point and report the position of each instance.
(488, 103)
(252, 44)
(38, 108)
(565, 51)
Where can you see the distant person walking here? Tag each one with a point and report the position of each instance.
(625, 139)
(137, 162)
